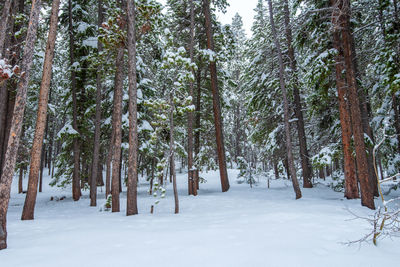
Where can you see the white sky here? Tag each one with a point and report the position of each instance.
(245, 8)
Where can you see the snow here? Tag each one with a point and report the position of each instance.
(242, 227)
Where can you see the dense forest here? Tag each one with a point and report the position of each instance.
(113, 93)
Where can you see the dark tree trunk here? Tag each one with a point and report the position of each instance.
(97, 129)
(216, 103)
(292, 169)
(116, 161)
(197, 125)
(131, 197)
(305, 163)
(20, 180)
(76, 189)
(192, 187)
(17, 120)
(41, 171)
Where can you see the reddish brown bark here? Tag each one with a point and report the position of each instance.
(216, 102)
(16, 125)
(131, 198)
(37, 147)
(367, 198)
(351, 185)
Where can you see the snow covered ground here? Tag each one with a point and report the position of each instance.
(243, 227)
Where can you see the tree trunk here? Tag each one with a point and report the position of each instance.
(197, 125)
(292, 169)
(17, 120)
(97, 127)
(172, 153)
(351, 185)
(131, 197)
(76, 189)
(20, 180)
(305, 163)
(192, 187)
(3, 25)
(117, 128)
(216, 103)
(367, 198)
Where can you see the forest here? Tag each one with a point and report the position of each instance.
(116, 103)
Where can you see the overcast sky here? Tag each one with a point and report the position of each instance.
(245, 8)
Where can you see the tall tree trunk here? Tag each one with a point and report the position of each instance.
(3, 25)
(197, 125)
(305, 163)
(367, 198)
(292, 169)
(76, 189)
(117, 128)
(131, 197)
(192, 187)
(172, 153)
(216, 103)
(17, 120)
(97, 129)
(351, 185)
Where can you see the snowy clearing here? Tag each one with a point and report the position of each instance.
(243, 227)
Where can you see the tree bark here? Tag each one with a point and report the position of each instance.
(3, 25)
(305, 163)
(172, 153)
(117, 128)
(133, 129)
(367, 198)
(292, 169)
(197, 125)
(351, 185)
(216, 103)
(17, 120)
(76, 189)
(97, 127)
(192, 187)
(20, 180)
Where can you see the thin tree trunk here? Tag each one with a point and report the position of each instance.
(41, 171)
(291, 167)
(17, 120)
(172, 153)
(131, 197)
(76, 189)
(20, 180)
(216, 103)
(305, 163)
(192, 187)
(97, 129)
(367, 198)
(117, 128)
(197, 124)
